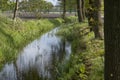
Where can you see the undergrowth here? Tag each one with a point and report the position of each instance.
(86, 61)
(14, 35)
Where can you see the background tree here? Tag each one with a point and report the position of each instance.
(74, 5)
(36, 7)
(6, 5)
(83, 9)
(94, 17)
(97, 28)
(48, 6)
(71, 5)
(15, 10)
(79, 11)
(112, 39)
(64, 9)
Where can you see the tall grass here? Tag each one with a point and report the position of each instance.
(14, 35)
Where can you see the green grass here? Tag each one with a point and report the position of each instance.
(86, 61)
(14, 35)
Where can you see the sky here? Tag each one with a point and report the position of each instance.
(54, 2)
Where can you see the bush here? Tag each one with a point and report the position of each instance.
(71, 19)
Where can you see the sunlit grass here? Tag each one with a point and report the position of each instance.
(14, 35)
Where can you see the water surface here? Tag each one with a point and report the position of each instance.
(39, 59)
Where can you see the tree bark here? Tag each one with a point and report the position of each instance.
(15, 10)
(90, 14)
(64, 9)
(94, 18)
(83, 9)
(97, 28)
(112, 39)
(79, 11)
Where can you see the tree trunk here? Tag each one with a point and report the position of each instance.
(90, 14)
(94, 18)
(79, 10)
(112, 39)
(15, 10)
(64, 9)
(83, 9)
(97, 28)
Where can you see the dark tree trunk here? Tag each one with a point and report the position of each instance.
(15, 10)
(79, 10)
(64, 9)
(83, 9)
(112, 39)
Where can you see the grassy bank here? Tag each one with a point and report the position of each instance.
(86, 61)
(14, 35)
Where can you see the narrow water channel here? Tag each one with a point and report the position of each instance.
(39, 59)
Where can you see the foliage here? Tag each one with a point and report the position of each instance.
(86, 61)
(72, 4)
(6, 5)
(71, 19)
(35, 5)
(70, 33)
